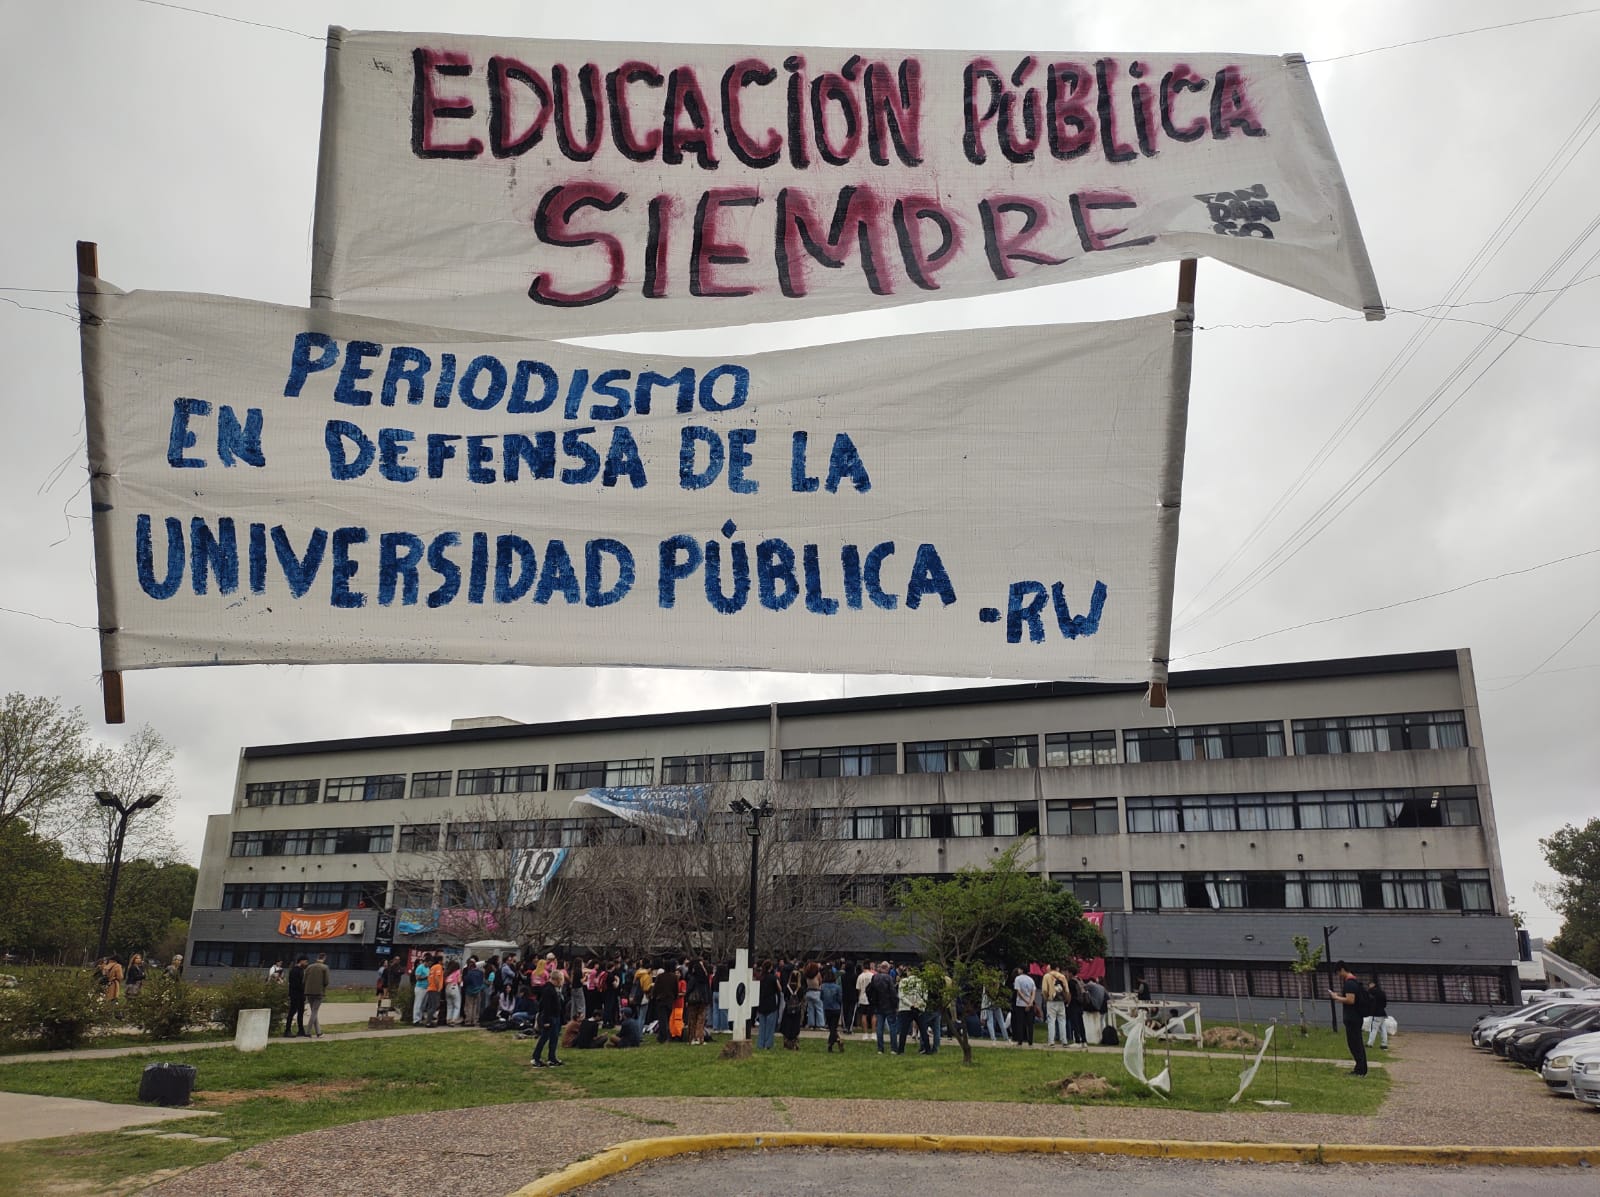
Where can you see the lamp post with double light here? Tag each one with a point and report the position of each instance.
(755, 814)
(125, 812)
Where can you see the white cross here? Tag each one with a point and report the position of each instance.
(737, 993)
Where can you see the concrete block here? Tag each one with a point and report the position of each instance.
(254, 1028)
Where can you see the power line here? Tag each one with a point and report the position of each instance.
(1582, 627)
(1497, 239)
(204, 12)
(1439, 37)
(1391, 606)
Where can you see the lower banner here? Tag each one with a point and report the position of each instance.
(273, 484)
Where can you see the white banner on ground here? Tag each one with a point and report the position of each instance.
(273, 484)
(566, 188)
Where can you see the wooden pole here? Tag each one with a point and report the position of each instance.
(110, 679)
(1188, 268)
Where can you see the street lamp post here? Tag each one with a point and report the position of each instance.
(740, 806)
(1327, 955)
(125, 811)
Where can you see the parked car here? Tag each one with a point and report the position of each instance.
(1500, 1041)
(1586, 1078)
(1557, 1067)
(1484, 1036)
(1530, 1047)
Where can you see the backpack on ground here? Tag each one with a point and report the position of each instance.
(1108, 1037)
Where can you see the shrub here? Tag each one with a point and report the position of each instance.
(166, 1007)
(250, 991)
(57, 1006)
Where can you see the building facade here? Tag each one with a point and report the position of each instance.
(1277, 801)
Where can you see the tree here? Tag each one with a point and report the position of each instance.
(45, 759)
(1574, 855)
(644, 887)
(1305, 964)
(142, 765)
(963, 924)
(44, 897)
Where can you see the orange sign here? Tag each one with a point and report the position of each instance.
(314, 926)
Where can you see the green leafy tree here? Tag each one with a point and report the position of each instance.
(44, 897)
(46, 760)
(1573, 853)
(964, 925)
(1307, 960)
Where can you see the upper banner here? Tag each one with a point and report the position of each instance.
(564, 188)
(274, 484)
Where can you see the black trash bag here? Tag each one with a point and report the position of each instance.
(167, 1084)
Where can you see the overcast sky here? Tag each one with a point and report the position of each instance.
(186, 146)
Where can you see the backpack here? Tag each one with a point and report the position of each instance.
(1108, 1037)
(1366, 1006)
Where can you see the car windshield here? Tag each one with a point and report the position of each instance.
(1577, 1016)
(1551, 1013)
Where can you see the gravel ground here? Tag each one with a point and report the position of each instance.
(1444, 1093)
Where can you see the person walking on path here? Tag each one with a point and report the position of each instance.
(316, 981)
(297, 998)
(1351, 996)
(1377, 1001)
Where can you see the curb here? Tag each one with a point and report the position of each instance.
(638, 1151)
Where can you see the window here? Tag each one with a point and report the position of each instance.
(1083, 816)
(508, 779)
(491, 836)
(1402, 983)
(715, 766)
(282, 793)
(1380, 733)
(1466, 891)
(431, 785)
(1012, 819)
(962, 756)
(1096, 891)
(854, 760)
(419, 837)
(221, 954)
(1212, 742)
(365, 789)
(588, 775)
(1081, 748)
(871, 823)
(915, 822)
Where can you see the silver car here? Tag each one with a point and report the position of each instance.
(1586, 1079)
(1557, 1068)
(1485, 1033)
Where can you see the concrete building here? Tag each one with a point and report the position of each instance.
(1279, 800)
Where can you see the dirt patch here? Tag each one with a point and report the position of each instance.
(49, 1186)
(1084, 1084)
(233, 1097)
(1230, 1039)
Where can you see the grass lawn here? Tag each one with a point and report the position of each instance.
(289, 1089)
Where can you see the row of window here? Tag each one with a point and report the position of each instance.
(214, 954)
(305, 895)
(1354, 733)
(313, 841)
(1448, 806)
(1443, 806)
(1460, 986)
(1464, 890)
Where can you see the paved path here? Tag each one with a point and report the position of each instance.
(200, 1045)
(1444, 1093)
(25, 1116)
(827, 1173)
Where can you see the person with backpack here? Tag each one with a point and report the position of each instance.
(1094, 1011)
(1352, 995)
(1053, 989)
(1378, 1020)
(1077, 1003)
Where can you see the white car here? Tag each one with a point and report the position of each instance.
(1586, 1078)
(1557, 1068)
(1539, 1013)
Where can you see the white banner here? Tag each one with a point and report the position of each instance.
(279, 485)
(565, 188)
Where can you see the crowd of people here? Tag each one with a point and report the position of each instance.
(594, 1002)
(116, 980)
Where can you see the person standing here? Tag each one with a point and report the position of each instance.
(1351, 996)
(863, 1009)
(297, 998)
(912, 1011)
(1094, 1011)
(317, 979)
(885, 999)
(793, 1010)
(433, 1010)
(1024, 1006)
(472, 986)
(814, 1010)
(696, 1001)
(550, 1003)
(136, 975)
(767, 1002)
(419, 990)
(1054, 986)
(832, 1007)
(1377, 1002)
(1077, 1002)
(452, 993)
